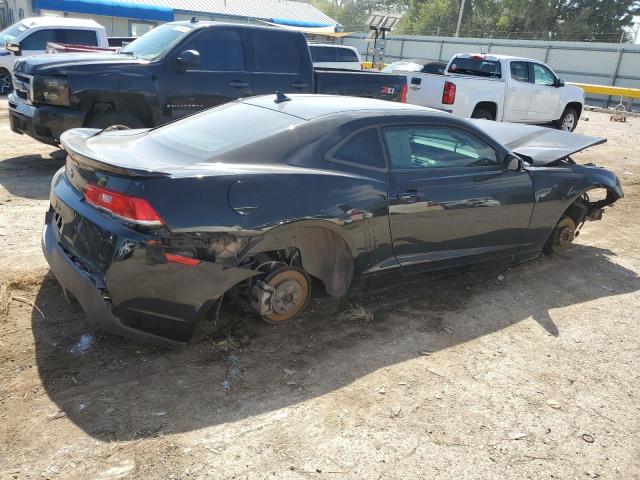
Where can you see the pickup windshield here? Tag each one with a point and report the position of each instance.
(157, 42)
(9, 34)
(476, 66)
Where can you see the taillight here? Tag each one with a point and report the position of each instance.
(131, 209)
(403, 93)
(449, 93)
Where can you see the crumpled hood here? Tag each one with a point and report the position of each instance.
(61, 62)
(541, 144)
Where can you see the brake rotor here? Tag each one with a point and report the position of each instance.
(290, 296)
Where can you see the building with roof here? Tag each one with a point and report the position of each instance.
(124, 18)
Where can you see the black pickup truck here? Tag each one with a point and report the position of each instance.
(176, 69)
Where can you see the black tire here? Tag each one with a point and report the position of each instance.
(104, 120)
(6, 85)
(294, 297)
(562, 236)
(568, 121)
(482, 113)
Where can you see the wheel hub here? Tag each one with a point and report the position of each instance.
(286, 297)
(566, 236)
(568, 123)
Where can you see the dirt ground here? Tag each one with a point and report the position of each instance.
(529, 373)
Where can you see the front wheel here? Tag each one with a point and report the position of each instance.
(562, 236)
(6, 86)
(568, 121)
(109, 119)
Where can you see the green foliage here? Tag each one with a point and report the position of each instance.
(597, 20)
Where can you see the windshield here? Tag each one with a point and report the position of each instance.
(157, 42)
(9, 34)
(221, 129)
(476, 66)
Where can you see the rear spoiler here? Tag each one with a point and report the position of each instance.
(74, 142)
(541, 144)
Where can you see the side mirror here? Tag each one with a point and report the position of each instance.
(560, 83)
(188, 59)
(512, 163)
(15, 48)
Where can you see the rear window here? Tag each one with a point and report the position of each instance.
(476, 66)
(78, 37)
(347, 55)
(322, 54)
(221, 129)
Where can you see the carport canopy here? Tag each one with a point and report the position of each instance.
(112, 8)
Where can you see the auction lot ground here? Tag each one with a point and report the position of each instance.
(533, 375)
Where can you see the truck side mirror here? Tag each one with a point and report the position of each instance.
(560, 83)
(15, 48)
(512, 163)
(188, 59)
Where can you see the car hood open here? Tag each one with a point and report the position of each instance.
(542, 145)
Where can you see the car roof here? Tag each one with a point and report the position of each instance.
(59, 22)
(491, 56)
(311, 106)
(349, 47)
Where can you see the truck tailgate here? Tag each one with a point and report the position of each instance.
(361, 84)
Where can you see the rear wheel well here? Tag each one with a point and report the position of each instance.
(323, 254)
(490, 107)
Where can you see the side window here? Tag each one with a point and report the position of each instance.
(220, 50)
(347, 55)
(520, 71)
(78, 37)
(322, 54)
(437, 147)
(363, 148)
(275, 52)
(38, 40)
(543, 75)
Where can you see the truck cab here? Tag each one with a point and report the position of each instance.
(500, 88)
(30, 36)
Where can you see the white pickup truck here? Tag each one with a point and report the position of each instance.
(30, 37)
(501, 88)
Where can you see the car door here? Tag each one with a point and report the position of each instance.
(520, 91)
(219, 77)
(547, 95)
(280, 61)
(451, 202)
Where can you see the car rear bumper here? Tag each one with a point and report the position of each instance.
(121, 277)
(79, 284)
(44, 123)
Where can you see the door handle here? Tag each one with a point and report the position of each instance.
(299, 85)
(408, 197)
(238, 84)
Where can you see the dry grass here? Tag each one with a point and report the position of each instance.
(357, 313)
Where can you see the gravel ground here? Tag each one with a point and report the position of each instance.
(528, 373)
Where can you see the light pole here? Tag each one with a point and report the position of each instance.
(460, 18)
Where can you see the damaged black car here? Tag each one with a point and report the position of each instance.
(254, 200)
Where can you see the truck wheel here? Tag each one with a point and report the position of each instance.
(291, 294)
(5, 82)
(482, 113)
(104, 120)
(562, 236)
(568, 121)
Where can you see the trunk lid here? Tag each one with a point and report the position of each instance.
(542, 145)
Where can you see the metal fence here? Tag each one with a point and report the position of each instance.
(615, 64)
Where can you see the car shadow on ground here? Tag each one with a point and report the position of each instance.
(29, 176)
(118, 390)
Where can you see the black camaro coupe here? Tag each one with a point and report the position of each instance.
(148, 229)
